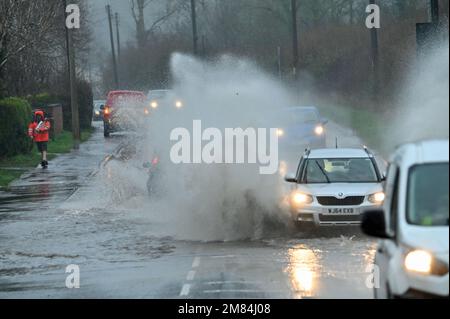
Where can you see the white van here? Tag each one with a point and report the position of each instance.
(412, 255)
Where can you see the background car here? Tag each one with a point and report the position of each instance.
(299, 128)
(333, 187)
(412, 257)
(98, 109)
(123, 110)
(164, 98)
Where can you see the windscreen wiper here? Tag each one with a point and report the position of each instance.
(323, 172)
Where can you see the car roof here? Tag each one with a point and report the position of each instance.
(158, 91)
(339, 153)
(126, 92)
(427, 151)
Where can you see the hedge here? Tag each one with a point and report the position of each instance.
(15, 115)
(85, 104)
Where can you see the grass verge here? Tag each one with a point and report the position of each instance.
(13, 167)
(369, 125)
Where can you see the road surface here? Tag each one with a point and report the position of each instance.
(89, 209)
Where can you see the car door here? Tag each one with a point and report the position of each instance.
(386, 247)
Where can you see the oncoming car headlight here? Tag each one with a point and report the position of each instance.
(377, 198)
(299, 198)
(319, 130)
(154, 104)
(280, 132)
(422, 262)
(178, 104)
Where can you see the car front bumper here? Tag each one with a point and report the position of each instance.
(321, 215)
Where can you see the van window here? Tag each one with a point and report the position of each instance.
(427, 203)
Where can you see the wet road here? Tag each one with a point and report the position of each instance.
(95, 214)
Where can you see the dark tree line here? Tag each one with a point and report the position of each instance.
(334, 43)
(33, 47)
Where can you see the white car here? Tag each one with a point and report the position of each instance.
(412, 255)
(333, 187)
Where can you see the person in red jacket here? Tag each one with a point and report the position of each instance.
(38, 131)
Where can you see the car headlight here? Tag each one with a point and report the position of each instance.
(280, 132)
(299, 198)
(377, 198)
(422, 262)
(319, 130)
(418, 261)
(97, 112)
(178, 104)
(154, 104)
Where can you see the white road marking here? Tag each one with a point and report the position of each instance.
(233, 291)
(185, 290)
(226, 256)
(234, 282)
(191, 275)
(196, 262)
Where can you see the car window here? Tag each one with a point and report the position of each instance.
(428, 197)
(341, 170)
(303, 116)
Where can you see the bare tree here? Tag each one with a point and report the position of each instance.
(138, 8)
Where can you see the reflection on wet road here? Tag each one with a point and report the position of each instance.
(125, 249)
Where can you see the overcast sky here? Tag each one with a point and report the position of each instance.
(99, 20)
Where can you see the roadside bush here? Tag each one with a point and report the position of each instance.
(15, 115)
(85, 104)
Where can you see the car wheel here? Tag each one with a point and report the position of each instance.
(304, 227)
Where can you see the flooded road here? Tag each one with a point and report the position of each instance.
(90, 210)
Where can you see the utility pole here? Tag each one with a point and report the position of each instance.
(203, 46)
(194, 27)
(295, 55)
(118, 36)
(118, 47)
(374, 53)
(434, 11)
(73, 85)
(113, 50)
(279, 62)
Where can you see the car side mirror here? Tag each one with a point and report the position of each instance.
(324, 121)
(291, 179)
(374, 224)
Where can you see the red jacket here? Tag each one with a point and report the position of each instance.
(39, 131)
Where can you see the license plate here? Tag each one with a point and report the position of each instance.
(346, 211)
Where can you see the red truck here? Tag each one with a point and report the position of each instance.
(120, 107)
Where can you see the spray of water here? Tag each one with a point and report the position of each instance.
(218, 201)
(423, 102)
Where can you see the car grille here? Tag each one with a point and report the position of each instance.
(333, 201)
(340, 218)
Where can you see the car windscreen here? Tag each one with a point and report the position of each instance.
(159, 95)
(339, 170)
(427, 203)
(302, 116)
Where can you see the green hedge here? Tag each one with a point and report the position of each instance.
(85, 104)
(15, 115)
